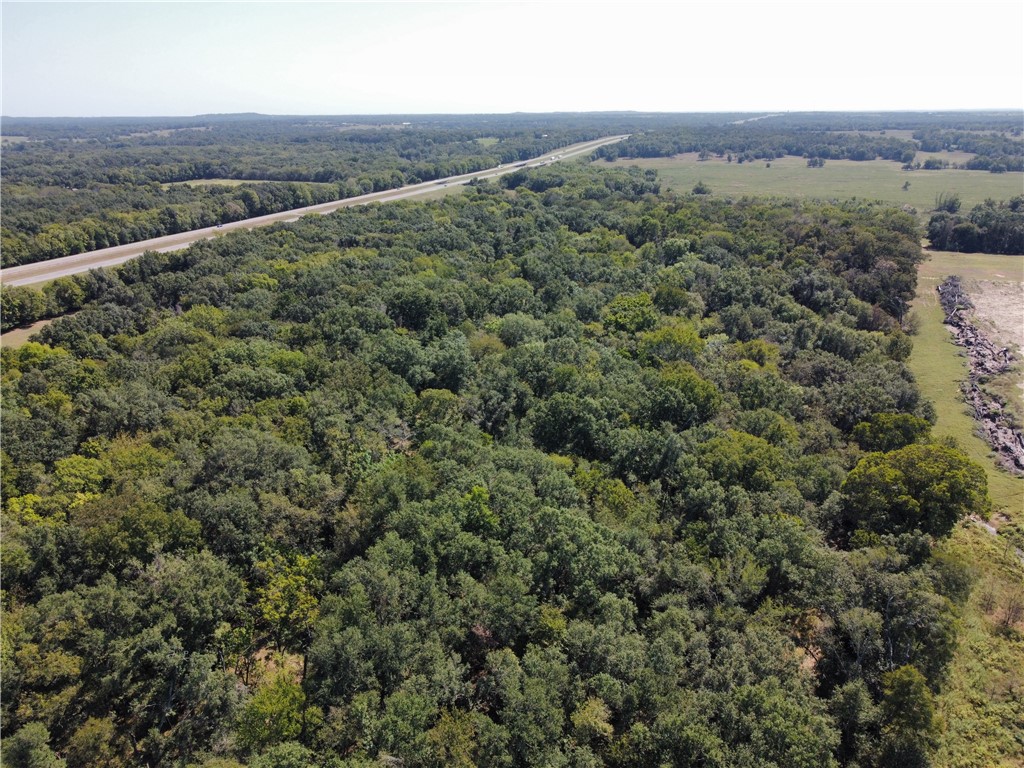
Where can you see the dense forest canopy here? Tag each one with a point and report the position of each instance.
(565, 471)
(76, 185)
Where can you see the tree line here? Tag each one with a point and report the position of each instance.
(997, 152)
(756, 142)
(990, 227)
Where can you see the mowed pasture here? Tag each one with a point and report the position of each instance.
(216, 182)
(838, 179)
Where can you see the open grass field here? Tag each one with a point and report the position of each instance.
(437, 194)
(906, 134)
(838, 179)
(949, 156)
(215, 182)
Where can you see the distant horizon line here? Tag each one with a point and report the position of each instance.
(767, 113)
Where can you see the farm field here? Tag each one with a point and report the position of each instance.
(842, 179)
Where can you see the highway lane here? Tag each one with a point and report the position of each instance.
(42, 271)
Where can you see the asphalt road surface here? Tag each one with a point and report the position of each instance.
(42, 271)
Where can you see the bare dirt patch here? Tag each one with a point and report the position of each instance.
(18, 336)
(999, 315)
(999, 311)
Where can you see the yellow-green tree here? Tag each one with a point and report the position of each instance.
(925, 487)
(289, 601)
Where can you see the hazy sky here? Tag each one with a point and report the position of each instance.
(186, 58)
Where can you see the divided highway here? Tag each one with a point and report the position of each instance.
(40, 272)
